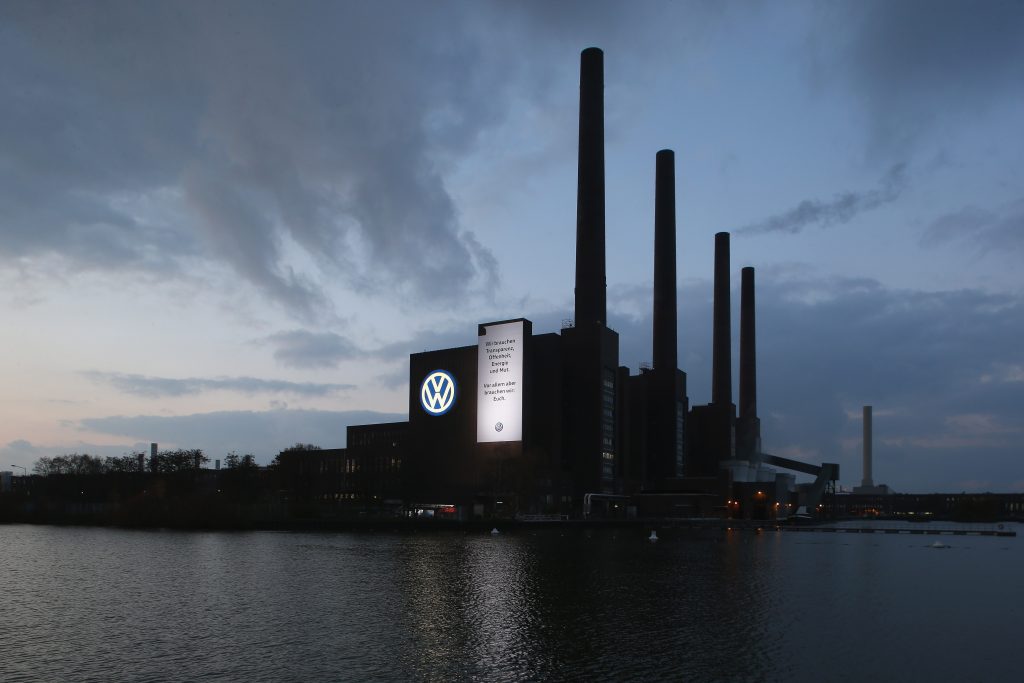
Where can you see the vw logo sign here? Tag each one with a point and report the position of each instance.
(437, 393)
(498, 427)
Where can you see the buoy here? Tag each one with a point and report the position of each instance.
(494, 531)
(938, 544)
(653, 537)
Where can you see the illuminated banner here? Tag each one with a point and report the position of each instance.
(499, 395)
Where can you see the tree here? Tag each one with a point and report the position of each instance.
(73, 463)
(286, 454)
(302, 447)
(180, 460)
(85, 464)
(235, 461)
(125, 463)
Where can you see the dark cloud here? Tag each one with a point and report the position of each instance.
(262, 433)
(988, 230)
(841, 209)
(152, 387)
(915, 64)
(827, 348)
(251, 127)
(298, 143)
(76, 139)
(944, 371)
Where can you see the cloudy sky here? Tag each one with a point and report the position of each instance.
(225, 225)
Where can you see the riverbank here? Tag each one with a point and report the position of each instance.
(225, 522)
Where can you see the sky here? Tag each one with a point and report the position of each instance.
(225, 225)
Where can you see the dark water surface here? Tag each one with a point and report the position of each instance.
(85, 604)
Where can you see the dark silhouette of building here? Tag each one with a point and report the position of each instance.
(551, 423)
(713, 427)
(748, 425)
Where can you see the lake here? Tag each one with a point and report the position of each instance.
(100, 604)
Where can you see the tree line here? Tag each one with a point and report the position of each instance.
(179, 460)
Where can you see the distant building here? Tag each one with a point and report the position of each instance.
(967, 507)
(366, 473)
(867, 486)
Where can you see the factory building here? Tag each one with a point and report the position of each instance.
(527, 422)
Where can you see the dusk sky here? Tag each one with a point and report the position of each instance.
(226, 225)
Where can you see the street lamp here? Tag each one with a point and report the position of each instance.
(22, 468)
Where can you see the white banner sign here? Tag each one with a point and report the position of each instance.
(499, 402)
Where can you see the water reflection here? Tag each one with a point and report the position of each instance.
(98, 604)
(576, 605)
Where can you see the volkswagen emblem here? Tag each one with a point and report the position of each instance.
(498, 427)
(437, 393)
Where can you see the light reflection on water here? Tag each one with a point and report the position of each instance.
(103, 604)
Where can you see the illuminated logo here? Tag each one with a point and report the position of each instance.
(437, 393)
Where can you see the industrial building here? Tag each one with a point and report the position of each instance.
(543, 423)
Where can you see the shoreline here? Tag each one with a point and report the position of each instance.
(672, 525)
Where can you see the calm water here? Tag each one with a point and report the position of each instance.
(102, 605)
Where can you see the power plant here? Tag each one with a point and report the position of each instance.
(537, 425)
(541, 423)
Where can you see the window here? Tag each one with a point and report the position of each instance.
(680, 434)
(608, 411)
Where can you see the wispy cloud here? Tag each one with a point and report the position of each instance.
(1004, 372)
(842, 208)
(999, 229)
(152, 387)
(305, 349)
(262, 433)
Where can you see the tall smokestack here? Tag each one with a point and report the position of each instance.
(748, 346)
(665, 344)
(721, 357)
(867, 447)
(590, 275)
